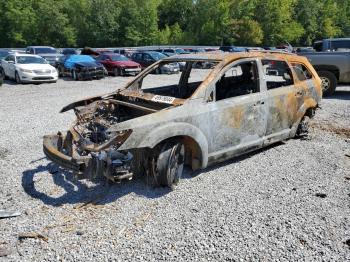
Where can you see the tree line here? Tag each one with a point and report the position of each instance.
(111, 23)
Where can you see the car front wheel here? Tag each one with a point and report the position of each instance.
(74, 75)
(169, 164)
(116, 72)
(17, 78)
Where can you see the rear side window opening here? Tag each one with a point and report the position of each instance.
(301, 71)
(277, 73)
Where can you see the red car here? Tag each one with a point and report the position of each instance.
(119, 65)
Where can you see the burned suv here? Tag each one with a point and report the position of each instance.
(159, 123)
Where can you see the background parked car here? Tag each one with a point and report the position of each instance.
(81, 67)
(232, 48)
(47, 52)
(25, 68)
(147, 58)
(70, 51)
(172, 51)
(6, 51)
(118, 64)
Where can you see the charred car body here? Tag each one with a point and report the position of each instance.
(245, 102)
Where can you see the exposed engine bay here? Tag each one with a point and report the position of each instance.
(94, 148)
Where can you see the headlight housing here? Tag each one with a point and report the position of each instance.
(25, 70)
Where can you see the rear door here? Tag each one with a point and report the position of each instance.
(282, 99)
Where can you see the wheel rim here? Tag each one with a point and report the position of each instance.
(326, 83)
(74, 75)
(176, 164)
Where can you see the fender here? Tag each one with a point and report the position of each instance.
(308, 103)
(164, 132)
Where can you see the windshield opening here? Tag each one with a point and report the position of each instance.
(30, 60)
(45, 50)
(157, 56)
(176, 79)
(119, 58)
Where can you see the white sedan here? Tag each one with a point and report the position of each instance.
(25, 68)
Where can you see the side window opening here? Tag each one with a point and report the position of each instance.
(241, 79)
(301, 71)
(277, 73)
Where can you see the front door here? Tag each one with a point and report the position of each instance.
(237, 112)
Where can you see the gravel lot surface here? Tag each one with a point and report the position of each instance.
(289, 202)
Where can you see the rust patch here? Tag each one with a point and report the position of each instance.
(234, 117)
(328, 127)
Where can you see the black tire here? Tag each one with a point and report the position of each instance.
(17, 78)
(303, 127)
(116, 72)
(74, 75)
(329, 82)
(60, 71)
(169, 164)
(158, 71)
(2, 75)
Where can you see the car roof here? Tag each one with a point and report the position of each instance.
(39, 46)
(24, 54)
(221, 56)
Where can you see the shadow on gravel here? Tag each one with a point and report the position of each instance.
(77, 192)
(10, 82)
(340, 95)
(236, 159)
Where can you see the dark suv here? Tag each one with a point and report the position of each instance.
(232, 48)
(147, 58)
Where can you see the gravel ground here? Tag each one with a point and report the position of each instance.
(289, 202)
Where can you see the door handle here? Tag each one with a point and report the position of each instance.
(299, 93)
(259, 103)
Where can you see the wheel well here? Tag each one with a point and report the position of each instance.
(329, 68)
(193, 157)
(310, 112)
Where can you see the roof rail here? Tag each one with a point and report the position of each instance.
(272, 52)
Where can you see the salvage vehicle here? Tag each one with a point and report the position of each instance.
(49, 53)
(80, 67)
(25, 68)
(147, 58)
(198, 118)
(119, 65)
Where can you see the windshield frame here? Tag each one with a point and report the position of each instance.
(122, 58)
(34, 58)
(45, 50)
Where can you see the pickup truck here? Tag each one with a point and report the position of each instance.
(332, 44)
(332, 68)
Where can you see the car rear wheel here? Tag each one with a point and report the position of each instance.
(169, 164)
(329, 82)
(17, 78)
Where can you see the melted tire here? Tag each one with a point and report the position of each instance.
(169, 164)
